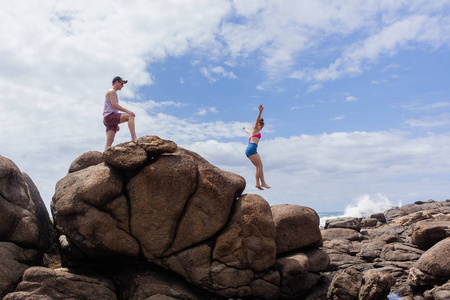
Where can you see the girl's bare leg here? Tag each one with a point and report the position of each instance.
(259, 174)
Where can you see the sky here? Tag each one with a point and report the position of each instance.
(356, 94)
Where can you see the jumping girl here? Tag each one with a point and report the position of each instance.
(254, 137)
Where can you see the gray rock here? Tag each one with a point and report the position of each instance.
(371, 250)
(400, 252)
(441, 292)
(156, 145)
(371, 222)
(44, 283)
(351, 223)
(379, 216)
(342, 233)
(345, 285)
(427, 233)
(375, 285)
(386, 230)
(14, 260)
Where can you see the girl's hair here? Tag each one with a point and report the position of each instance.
(261, 121)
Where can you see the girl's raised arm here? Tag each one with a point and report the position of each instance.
(261, 108)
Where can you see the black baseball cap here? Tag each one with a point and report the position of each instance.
(118, 78)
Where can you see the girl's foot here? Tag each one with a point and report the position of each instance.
(266, 186)
(259, 187)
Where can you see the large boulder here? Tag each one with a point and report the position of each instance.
(25, 220)
(90, 208)
(427, 233)
(25, 229)
(44, 283)
(173, 202)
(239, 260)
(248, 241)
(296, 227)
(180, 200)
(433, 267)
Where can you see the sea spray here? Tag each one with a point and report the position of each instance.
(362, 206)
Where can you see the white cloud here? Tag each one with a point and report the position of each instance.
(214, 73)
(151, 105)
(388, 41)
(206, 110)
(429, 122)
(338, 118)
(314, 87)
(401, 34)
(351, 99)
(390, 67)
(378, 81)
(426, 107)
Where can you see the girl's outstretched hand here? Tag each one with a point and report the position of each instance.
(261, 108)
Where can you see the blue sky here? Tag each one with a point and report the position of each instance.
(356, 94)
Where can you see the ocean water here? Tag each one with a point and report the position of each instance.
(362, 207)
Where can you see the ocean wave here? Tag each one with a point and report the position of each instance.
(362, 207)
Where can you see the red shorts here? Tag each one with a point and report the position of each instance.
(111, 121)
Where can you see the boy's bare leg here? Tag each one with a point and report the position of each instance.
(130, 119)
(110, 134)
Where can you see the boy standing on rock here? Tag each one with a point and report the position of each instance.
(111, 116)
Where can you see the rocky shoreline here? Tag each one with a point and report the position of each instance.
(151, 220)
(410, 243)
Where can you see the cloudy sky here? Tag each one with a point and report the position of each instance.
(356, 93)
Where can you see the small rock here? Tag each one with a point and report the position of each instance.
(85, 160)
(126, 156)
(156, 145)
